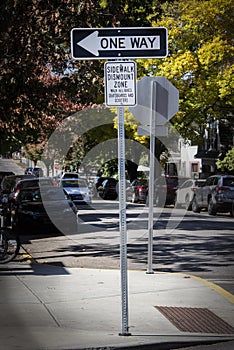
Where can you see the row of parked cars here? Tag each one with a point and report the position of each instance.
(37, 201)
(107, 188)
(214, 194)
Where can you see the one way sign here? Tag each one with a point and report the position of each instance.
(109, 43)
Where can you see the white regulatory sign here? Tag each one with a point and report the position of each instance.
(120, 83)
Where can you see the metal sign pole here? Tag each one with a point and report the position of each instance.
(151, 183)
(122, 220)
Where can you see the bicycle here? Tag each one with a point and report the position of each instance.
(9, 239)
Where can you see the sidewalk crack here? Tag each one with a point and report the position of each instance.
(40, 301)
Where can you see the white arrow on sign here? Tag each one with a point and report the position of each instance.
(93, 43)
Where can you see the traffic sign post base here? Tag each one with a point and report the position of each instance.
(125, 334)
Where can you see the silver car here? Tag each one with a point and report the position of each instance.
(186, 192)
(216, 195)
(77, 190)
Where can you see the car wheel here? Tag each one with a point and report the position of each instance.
(195, 206)
(188, 204)
(211, 207)
(232, 210)
(17, 226)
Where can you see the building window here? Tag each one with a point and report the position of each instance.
(195, 168)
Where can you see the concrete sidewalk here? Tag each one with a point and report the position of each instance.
(49, 307)
(10, 165)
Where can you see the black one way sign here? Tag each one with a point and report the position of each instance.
(109, 43)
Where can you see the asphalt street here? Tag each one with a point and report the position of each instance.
(183, 242)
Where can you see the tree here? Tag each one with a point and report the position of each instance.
(227, 164)
(199, 63)
(33, 152)
(40, 85)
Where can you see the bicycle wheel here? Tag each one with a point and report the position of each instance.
(9, 246)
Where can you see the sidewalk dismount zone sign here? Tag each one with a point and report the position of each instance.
(120, 83)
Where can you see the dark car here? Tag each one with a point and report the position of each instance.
(97, 183)
(139, 191)
(165, 190)
(42, 210)
(216, 195)
(32, 182)
(8, 185)
(34, 171)
(108, 189)
(128, 188)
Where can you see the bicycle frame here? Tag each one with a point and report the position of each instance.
(9, 240)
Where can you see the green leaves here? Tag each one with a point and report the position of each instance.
(199, 62)
(227, 164)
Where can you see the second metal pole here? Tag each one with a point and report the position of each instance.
(151, 183)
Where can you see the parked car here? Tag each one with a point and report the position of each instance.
(31, 182)
(77, 190)
(165, 190)
(34, 171)
(108, 189)
(70, 175)
(216, 195)
(139, 191)
(47, 208)
(14, 184)
(185, 193)
(9, 182)
(97, 183)
(129, 190)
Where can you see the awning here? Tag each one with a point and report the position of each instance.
(143, 168)
(207, 154)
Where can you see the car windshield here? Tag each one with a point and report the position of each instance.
(228, 181)
(37, 182)
(74, 183)
(199, 183)
(70, 176)
(36, 195)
